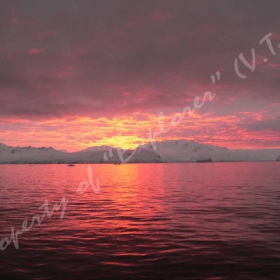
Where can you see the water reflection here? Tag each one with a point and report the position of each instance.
(172, 221)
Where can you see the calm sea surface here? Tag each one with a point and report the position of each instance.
(149, 221)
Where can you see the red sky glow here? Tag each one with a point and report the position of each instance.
(75, 74)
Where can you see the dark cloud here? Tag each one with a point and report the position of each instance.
(102, 58)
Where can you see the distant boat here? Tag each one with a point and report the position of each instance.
(204, 160)
(71, 164)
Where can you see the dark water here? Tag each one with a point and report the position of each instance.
(149, 221)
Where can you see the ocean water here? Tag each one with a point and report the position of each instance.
(148, 221)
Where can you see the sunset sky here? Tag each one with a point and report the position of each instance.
(75, 74)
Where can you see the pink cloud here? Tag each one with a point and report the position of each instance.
(35, 51)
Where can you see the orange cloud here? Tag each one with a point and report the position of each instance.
(128, 131)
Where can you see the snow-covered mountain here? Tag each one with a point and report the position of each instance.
(191, 151)
(29, 154)
(184, 150)
(114, 155)
(165, 151)
(103, 154)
